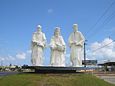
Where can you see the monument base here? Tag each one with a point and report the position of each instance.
(52, 69)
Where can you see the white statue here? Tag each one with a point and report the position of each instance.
(57, 46)
(76, 43)
(38, 45)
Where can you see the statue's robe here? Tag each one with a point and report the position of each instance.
(38, 45)
(76, 43)
(58, 47)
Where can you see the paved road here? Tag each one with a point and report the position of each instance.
(110, 79)
(107, 77)
(8, 73)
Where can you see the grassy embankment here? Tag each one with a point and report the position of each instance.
(52, 80)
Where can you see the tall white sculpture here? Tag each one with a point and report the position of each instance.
(38, 45)
(76, 43)
(57, 46)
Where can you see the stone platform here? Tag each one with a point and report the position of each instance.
(52, 69)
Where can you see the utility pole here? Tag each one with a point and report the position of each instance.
(85, 53)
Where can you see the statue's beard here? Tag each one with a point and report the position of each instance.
(75, 29)
(56, 35)
(39, 32)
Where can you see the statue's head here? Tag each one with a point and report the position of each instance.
(39, 28)
(75, 27)
(57, 31)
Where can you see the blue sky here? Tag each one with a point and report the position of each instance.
(19, 19)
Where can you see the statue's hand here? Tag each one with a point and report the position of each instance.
(53, 48)
(61, 48)
(74, 42)
(78, 44)
(34, 43)
(57, 44)
(40, 44)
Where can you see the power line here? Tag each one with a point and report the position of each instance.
(103, 46)
(91, 28)
(113, 31)
(107, 20)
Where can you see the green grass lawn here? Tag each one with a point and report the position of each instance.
(52, 80)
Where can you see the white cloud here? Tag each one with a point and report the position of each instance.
(11, 58)
(50, 10)
(2, 59)
(105, 53)
(28, 51)
(21, 55)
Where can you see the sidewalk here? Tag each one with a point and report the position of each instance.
(108, 77)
